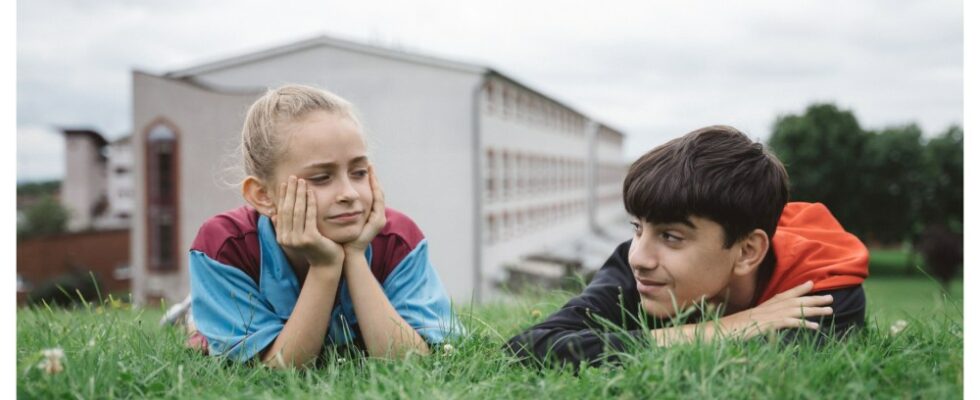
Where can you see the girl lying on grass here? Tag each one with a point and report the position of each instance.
(315, 258)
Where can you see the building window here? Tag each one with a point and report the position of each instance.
(519, 169)
(161, 190)
(506, 175)
(491, 175)
(491, 232)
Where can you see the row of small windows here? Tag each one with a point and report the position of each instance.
(507, 225)
(511, 175)
(510, 102)
(610, 174)
(610, 198)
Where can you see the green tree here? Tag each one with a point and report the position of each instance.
(45, 217)
(943, 197)
(895, 178)
(822, 150)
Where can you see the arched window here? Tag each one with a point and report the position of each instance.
(161, 196)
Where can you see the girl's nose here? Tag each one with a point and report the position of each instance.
(347, 192)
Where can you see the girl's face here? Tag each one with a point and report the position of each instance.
(328, 152)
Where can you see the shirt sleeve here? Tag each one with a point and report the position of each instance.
(593, 326)
(230, 311)
(417, 294)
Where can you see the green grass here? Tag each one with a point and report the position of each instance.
(895, 261)
(117, 353)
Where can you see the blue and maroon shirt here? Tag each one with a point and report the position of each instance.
(243, 288)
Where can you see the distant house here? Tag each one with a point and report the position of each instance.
(491, 169)
(97, 189)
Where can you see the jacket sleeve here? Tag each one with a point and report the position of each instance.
(592, 326)
(229, 310)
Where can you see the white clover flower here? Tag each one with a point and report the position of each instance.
(535, 313)
(51, 364)
(898, 327)
(91, 342)
(448, 348)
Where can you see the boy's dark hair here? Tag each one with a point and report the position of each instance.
(716, 173)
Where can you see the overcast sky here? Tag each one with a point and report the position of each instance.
(654, 70)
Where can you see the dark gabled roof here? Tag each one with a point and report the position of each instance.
(95, 136)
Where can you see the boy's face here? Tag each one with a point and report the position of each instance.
(680, 263)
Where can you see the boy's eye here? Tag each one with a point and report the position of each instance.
(637, 229)
(667, 236)
(361, 173)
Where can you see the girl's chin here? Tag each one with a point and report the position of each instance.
(341, 236)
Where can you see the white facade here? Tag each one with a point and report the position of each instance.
(83, 188)
(430, 123)
(98, 186)
(119, 185)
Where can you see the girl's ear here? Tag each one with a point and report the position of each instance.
(752, 251)
(260, 195)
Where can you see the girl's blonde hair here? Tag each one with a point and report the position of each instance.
(263, 138)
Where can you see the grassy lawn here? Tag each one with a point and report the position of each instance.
(119, 353)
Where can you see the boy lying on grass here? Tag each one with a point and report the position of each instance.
(712, 230)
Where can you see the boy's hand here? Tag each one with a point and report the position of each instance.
(375, 221)
(296, 226)
(785, 310)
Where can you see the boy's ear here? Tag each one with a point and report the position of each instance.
(258, 193)
(752, 251)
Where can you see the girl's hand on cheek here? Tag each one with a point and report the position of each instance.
(375, 220)
(296, 228)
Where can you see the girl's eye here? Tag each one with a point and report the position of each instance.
(637, 229)
(361, 173)
(670, 237)
(319, 178)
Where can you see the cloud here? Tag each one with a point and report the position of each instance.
(40, 153)
(653, 69)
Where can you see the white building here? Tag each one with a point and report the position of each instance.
(119, 185)
(98, 184)
(489, 168)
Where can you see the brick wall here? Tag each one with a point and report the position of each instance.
(102, 252)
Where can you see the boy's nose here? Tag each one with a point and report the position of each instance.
(642, 256)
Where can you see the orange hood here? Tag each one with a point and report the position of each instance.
(811, 245)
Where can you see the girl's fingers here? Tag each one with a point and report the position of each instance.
(310, 212)
(379, 195)
(281, 194)
(299, 208)
(288, 205)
